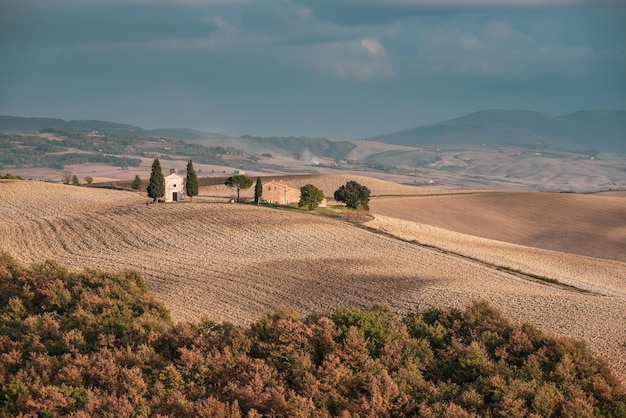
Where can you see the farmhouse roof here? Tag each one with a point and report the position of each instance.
(174, 176)
(279, 183)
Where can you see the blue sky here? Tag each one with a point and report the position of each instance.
(331, 68)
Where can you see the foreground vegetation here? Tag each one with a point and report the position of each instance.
(99, 344)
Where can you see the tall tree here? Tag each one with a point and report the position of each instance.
(310, 196)
(137, 182)
(191, 183)
(75, 180)
(156, 187)
(353, 195)
(239, 182)
(258, 190)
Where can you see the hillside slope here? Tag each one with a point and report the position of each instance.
(236, 262)
(588, 225)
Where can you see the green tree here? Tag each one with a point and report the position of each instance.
(88, 179)
(353, 195)
(191, 183)
(239, 182)
(258, 190)
(75, 180)
(310, 196)
(156, 187)
(137, 182)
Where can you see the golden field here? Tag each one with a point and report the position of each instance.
(556, 260)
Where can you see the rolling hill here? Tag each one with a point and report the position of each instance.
(236, 262)
(467, 152)
(595, 130)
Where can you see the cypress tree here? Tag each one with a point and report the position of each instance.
(156, 187)
(191, 183)
(137, 182)
(258, 190)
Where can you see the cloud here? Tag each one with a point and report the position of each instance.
(360, 12)
(496, 48)
(373, 46)
(341, 51)
(358, 60)
(417, 4)
(304, 12)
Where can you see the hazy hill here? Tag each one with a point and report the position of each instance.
(599, 130)
(14, 123)
(298, 145)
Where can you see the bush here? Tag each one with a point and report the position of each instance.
(9, 176)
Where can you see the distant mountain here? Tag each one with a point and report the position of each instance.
(14, 123)
(18, 124)
(599, 130)
(604, 129)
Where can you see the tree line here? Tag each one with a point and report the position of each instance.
(353, 194)
(99, 344)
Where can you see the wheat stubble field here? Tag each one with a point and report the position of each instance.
(235, 262)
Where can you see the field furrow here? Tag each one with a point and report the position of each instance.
(235, 262)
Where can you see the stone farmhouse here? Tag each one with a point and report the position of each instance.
(174, 187)
(283, 194)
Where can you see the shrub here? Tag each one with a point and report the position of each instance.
(9, 176)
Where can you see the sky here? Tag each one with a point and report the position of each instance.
(319, 68)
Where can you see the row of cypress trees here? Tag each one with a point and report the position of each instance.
(156, 186)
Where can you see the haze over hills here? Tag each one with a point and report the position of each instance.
(586, 130)
(19, 124)
(497, 149)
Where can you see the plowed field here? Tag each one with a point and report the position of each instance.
(591, 225)
(235, 262)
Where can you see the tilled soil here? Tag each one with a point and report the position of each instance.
(590, 225)
(229, 262)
